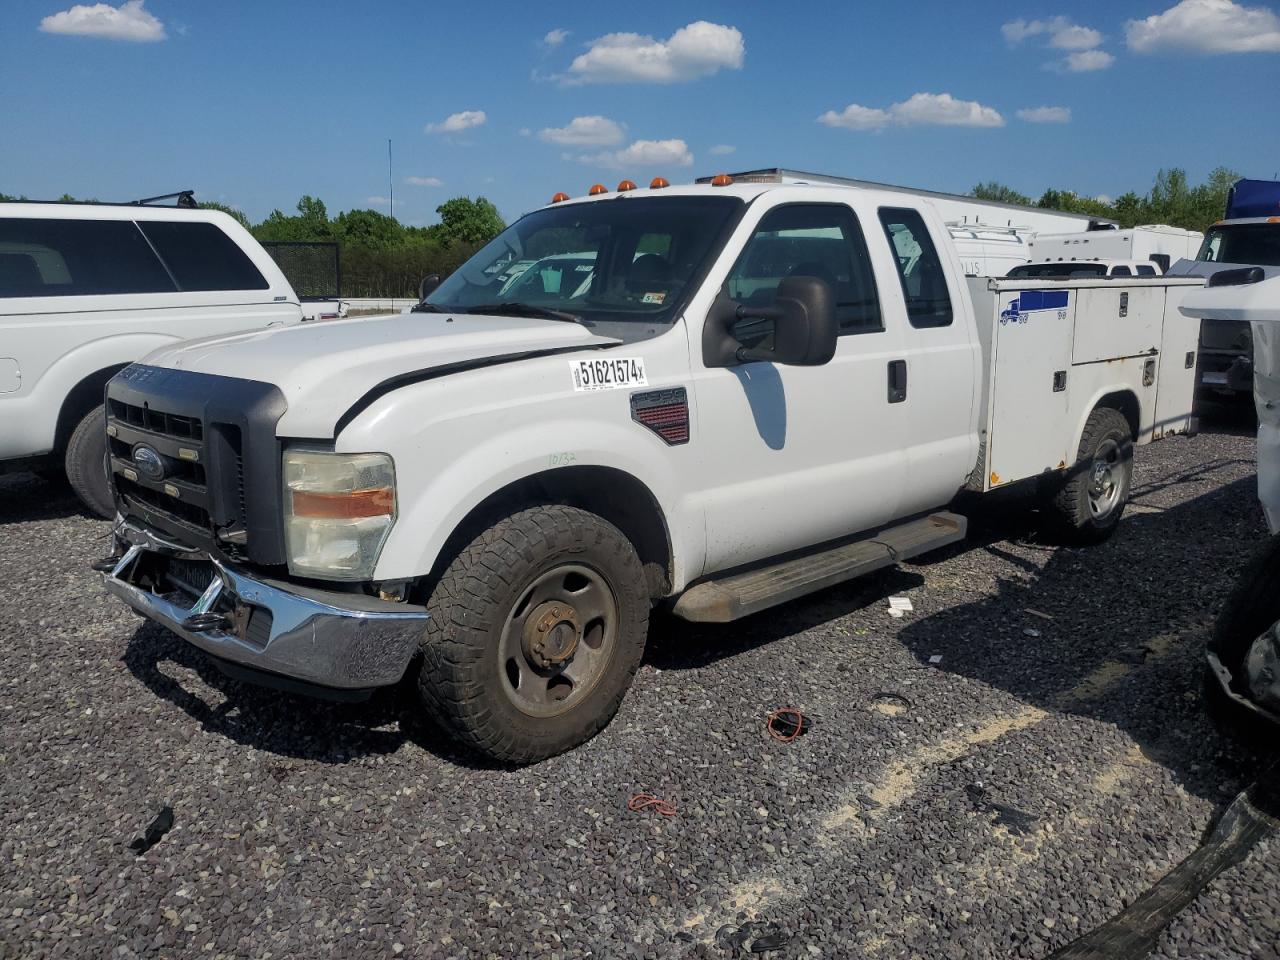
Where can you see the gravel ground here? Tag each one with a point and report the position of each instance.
(1067, 693)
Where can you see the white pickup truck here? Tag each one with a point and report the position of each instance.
(755, 391)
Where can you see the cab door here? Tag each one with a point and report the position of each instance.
(794, 456)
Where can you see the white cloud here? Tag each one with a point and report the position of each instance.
(1083, 61)
(945, 110)
(925, 109)
(1206, 26)
(457, 122)
(1062, 33)
(693, 51)
(526, 132)
(856, 117)
(722, 150)
(424, 181)
(1045, 115)
(129, 21)
(376, 201)
(643, 153)
(555, 37)
(1081, 43)
(592, 131)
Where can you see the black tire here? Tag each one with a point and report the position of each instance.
(86, 463)
(1251, 608)
(484, 691)
(1077, 511)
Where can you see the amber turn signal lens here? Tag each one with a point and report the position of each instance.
(657, 183)
(626, 185)
(597, 189)
(560, 197)
(371, 502)
(721, 180)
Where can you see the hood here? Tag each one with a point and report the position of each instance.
(324, 368)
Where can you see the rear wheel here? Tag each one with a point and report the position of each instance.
(86, 463)
(536, 630)
(1086, 504)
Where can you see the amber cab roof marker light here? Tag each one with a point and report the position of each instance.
(597, 189)
(560, 197)
(657, 183)
(721, 180)
(626, 185)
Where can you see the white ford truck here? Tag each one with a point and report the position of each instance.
(753, 391)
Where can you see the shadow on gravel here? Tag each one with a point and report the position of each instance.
(25, 497)
(1115, 632)
(285, 724)
(1232, 416)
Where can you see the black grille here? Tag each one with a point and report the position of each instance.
(218, 484)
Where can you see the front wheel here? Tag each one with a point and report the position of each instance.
(1086, 504)
(535, 632)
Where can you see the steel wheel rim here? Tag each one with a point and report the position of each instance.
(557, 640)
(1106, 480)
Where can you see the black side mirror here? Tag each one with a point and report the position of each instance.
(429, 283)
(803, 321)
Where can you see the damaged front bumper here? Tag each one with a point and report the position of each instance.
(267, 628)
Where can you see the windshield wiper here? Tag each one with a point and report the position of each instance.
(514, 308)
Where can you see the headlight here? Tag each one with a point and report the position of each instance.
(338, 510)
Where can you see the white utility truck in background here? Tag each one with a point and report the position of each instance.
(1248, 236)
(763, 389)
(86, 289)
(1156, 243)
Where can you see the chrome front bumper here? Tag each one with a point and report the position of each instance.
(325, 638)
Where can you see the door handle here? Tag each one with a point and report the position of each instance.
(897, 381)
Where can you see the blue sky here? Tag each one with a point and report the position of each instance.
(256, 103)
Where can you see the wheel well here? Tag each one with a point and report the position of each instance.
(82, 398)
(1125, 402)
(613, 494)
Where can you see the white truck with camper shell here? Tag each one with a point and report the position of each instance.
(761, 390)
(86, 289)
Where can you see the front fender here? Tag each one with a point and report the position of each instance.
(437, 494)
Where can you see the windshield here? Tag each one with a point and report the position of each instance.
(624, 265)
(1058, 271)
(1253, 243)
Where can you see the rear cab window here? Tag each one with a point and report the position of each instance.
(920, 270)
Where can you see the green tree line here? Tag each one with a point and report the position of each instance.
(382, 257)
(1171, 200)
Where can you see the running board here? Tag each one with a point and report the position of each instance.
(742, 594)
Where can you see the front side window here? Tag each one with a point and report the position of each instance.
(69, 258)
(820, 240)
(924, 282)
(1146, 270)
(1121, 271)
(202, 257)
(623, 266)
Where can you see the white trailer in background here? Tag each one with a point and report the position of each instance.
(990, 237)
(1158, 243)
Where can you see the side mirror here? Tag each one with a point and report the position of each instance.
(429, 283)
(803, 326)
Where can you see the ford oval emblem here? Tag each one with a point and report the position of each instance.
(149, 463)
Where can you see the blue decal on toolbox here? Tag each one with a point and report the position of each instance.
(1031, 301)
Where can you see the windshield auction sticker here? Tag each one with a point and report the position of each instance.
(618, 373)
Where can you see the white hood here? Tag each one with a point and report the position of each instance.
(324, 368)
(1259, 305)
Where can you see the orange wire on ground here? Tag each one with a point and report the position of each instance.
(785, 725)
(642, 800)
